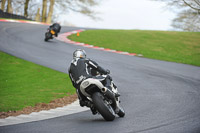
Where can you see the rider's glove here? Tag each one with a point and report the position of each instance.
(82, 103)
(85, 103)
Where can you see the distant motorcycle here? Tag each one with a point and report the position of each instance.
(103, 99)
(49, 34)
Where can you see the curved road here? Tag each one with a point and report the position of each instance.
(158, 96)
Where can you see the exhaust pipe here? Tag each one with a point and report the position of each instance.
(108, 93)
(104, 89)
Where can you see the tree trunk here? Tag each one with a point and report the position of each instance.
(9, 7)
(26, 8)
(50, 11)
(44, 10)
(37, 17)
(3, 2)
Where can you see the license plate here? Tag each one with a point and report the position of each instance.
(52, 32)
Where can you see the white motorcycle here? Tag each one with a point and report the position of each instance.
(104, 100)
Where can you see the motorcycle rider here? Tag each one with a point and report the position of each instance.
(82, 68)
(56, 27)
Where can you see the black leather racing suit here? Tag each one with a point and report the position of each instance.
(56, 27)
(80, 69)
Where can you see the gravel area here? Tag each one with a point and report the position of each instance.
(41, 106)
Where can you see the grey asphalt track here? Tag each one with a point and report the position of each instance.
(158, 96)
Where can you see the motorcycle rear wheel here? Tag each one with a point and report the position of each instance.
(103, 107)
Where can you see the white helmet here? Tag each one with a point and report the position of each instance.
(79, 53)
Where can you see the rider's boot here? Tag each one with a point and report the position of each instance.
(93, 109)
(117, 94)
(117, 109)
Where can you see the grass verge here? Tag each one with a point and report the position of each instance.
(23, 84)
(181, 47)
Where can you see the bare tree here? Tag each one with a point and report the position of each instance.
(80, 6)
(188, 15)
(50, 11)
(193, 4)
(3, 2)
(187, 20)
(44, 10)
(37, 17)
(33, 8)
(9, 6)
(26, 8)
(29, 8)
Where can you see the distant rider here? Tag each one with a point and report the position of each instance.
(82, 68)
(56, 27)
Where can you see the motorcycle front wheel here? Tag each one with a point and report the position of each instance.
(103, 107)
(47, 36)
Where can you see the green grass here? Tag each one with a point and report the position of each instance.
(23, 84)
(181, 47)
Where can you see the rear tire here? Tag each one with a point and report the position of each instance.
(103, 108)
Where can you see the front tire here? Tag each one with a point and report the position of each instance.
(103, 108)
(47, 36)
